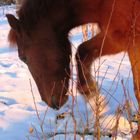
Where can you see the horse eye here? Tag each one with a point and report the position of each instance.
(24, 59)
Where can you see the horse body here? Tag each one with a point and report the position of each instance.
(41, 34)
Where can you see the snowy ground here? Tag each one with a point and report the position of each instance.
(18, 119)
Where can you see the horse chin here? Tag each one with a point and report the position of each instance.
(59, 103)
(56, 102)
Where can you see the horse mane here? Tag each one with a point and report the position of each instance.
(32, 11)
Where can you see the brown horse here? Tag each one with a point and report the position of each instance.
(41, 34)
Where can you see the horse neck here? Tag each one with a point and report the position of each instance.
(74, 13)
(84, 11)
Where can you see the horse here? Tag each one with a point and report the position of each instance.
(41, 35)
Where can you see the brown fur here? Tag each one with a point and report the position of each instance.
(12, 37)
(41, 36)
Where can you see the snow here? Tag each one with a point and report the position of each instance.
(18, 116)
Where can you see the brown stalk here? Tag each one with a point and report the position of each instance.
(37, 113)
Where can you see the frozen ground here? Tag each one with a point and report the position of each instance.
(18, 119)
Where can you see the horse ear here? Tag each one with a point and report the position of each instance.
(13, 21)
